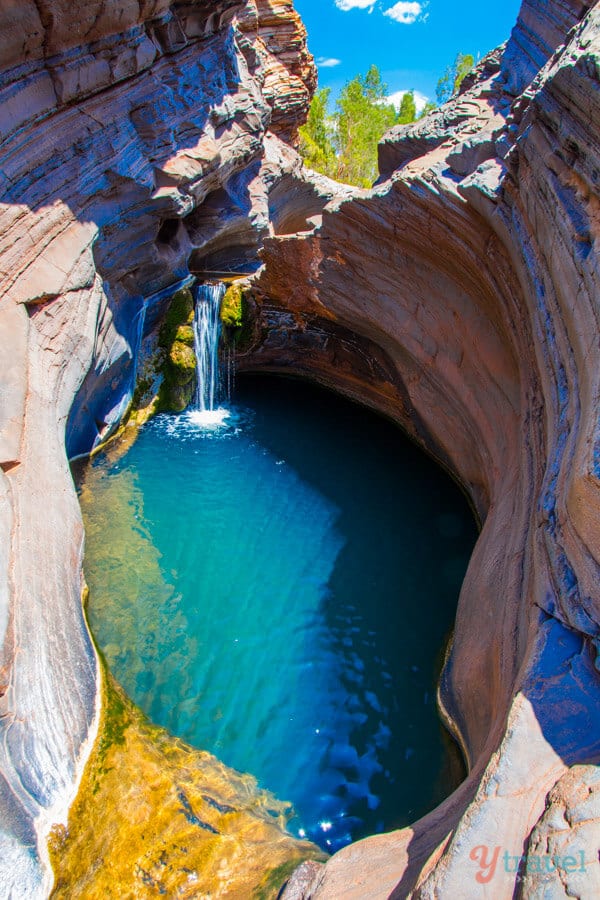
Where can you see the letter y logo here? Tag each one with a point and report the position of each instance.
(487, 868)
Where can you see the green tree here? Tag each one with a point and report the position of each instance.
(453, 77)
(343, 144)
(362, 118)
(429, 107)
(408, 109)
(315, 137)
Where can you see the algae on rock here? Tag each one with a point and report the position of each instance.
(154, 816)
(236, 316)
(186, 825)
(176, 340)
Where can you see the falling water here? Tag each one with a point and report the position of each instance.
(207, 330)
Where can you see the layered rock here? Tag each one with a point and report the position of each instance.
(275, 47)
(459, 297)
(115, 129)
(540, 29)
(470, 121)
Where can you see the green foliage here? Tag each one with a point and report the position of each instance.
(450, 82)
(316, 145)
(408, 109)
(362, 119)
(429, 107)
(343, 144)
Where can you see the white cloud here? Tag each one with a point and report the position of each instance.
(405, 12)
(345, 5)
(328, 62)
(420, 100)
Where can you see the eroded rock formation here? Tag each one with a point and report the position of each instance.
(459, 297)
(123, 134)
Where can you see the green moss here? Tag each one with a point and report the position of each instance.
(177, 360)
(180, 312)
(244, 336)
(142, 389)
(185, 334)
(275, 878)
(232, 306)
(236, 317)
(174, 397)
(182, 360)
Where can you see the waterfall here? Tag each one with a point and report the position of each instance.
(207, 330)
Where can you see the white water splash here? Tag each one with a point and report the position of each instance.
(209, 418)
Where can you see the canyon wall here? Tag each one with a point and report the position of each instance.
(150, 141)
(116, 124)
(464, 291)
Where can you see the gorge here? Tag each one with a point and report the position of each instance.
(145, 144)
(281, 612)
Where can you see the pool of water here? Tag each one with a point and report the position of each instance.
(277, 588)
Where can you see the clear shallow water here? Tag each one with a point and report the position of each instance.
(277, 589)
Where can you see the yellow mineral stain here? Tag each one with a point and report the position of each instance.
(154, 817)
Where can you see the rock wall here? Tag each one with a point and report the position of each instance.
(540, 29)
(459, 297)
(125, 134)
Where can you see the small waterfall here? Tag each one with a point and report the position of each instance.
(207, 331)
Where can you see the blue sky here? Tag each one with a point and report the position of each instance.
(411, 42)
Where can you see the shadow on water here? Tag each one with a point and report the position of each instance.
(407, 543)
(283, 598)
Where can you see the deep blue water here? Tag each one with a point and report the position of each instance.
(279, 592)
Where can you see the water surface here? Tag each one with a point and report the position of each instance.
(279, 591)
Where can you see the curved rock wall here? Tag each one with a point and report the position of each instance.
(115, 128)
(474, 269)
(459, 297)
(540, 29)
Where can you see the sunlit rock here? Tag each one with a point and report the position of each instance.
(143, 142)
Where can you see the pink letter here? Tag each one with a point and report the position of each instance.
(480, 856)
